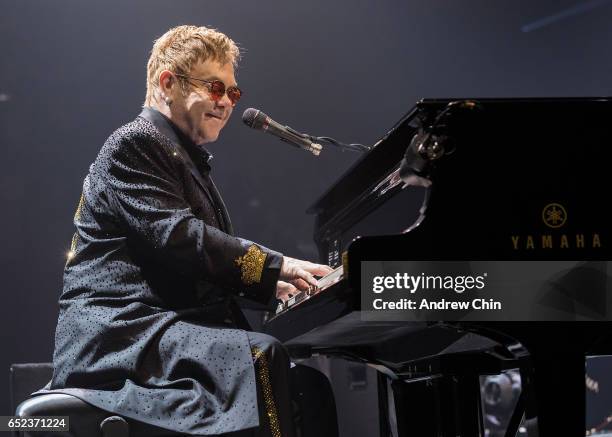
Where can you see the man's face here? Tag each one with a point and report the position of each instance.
(200, 117)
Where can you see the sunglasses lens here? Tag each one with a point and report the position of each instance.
(234, 94)
(217, 90)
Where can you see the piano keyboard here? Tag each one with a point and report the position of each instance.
(322, 284)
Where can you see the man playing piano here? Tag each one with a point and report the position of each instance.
(149, 327)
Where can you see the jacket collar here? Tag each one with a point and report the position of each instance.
(166, 127)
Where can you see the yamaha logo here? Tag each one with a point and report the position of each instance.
(554, 215)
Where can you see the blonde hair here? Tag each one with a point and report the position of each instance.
(181, 47)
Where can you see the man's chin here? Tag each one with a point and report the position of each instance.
(209, 137)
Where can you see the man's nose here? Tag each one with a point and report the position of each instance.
(225, 101)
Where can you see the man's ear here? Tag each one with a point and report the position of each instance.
(166, 83)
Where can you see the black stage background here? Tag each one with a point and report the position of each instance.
(72, 72)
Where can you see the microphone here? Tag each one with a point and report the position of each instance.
(258, 120)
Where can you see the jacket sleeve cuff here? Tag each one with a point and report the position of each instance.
(260, 269)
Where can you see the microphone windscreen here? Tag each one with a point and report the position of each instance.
(253, 118)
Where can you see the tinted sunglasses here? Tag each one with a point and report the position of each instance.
(217, 89)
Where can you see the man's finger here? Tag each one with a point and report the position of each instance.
(284, 289)
(318, 269)
(322, 270)
(307, 276)
(301, 284)
(291, 289)
(284, 285)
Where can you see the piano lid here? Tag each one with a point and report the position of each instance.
(517, 168)
(387, 152)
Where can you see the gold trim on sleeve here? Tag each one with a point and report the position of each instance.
(263, 374)
(251, 265)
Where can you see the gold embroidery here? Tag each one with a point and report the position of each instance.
(73, 243)
(77, 213)
(72, 250)
(251, 265)
(264, 379)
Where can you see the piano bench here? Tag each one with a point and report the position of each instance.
(84, 419)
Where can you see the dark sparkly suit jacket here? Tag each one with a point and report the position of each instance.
(148, 324)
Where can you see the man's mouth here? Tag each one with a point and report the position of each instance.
(213, 116)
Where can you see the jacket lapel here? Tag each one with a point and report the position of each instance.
(221, 203)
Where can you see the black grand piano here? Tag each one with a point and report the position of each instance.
(469, 179)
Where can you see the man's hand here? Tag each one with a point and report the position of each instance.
(285, 290)
(297, 275)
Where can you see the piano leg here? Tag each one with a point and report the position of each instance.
(560, 393)
(418, 408)
(468, 405)
(383, 405)
(440, 406)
